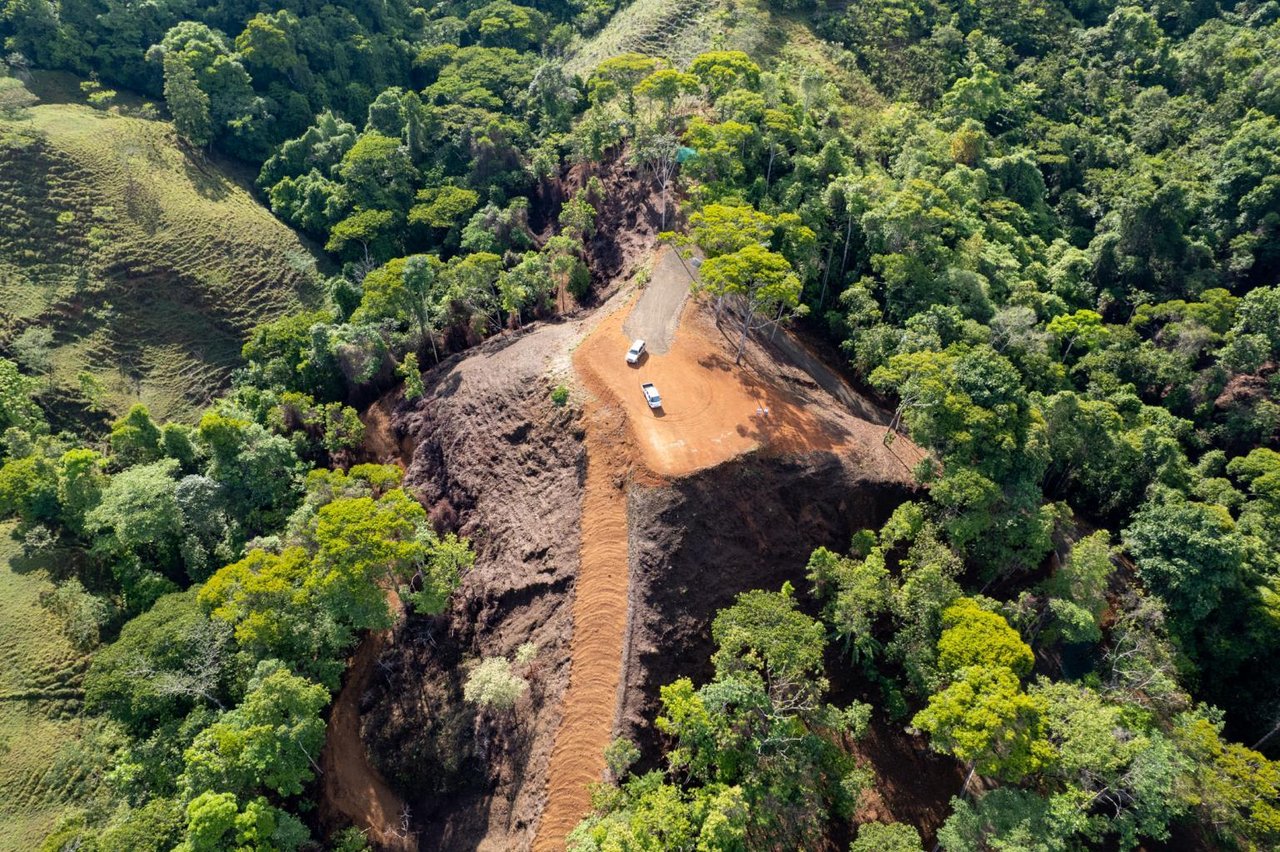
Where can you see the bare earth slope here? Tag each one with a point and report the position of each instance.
(492, 457)
(148, 262)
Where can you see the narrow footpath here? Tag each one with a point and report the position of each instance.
(599, 626)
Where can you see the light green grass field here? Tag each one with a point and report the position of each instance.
(40, 696)
(148, 261)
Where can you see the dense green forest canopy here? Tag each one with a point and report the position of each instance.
(1047, 231)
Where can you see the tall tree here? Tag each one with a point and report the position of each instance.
(188, 104)
(763, 283)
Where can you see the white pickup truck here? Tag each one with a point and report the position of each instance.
(651, 395)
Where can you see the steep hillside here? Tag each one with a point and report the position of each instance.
(611, 566)
(133, 258)
(43, 768)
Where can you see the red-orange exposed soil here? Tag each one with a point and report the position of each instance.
(713, 410)
(352, 786)
(381, 444)
(599, 625)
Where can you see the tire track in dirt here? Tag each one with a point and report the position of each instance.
(600, 608)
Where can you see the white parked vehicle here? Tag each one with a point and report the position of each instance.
(651, 395)
(636, 350)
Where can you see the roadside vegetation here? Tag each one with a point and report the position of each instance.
(1045, 233)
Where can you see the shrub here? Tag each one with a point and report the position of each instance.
(493, 685)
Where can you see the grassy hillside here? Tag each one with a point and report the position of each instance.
(145, 261)
(41, 767)
(679, 30)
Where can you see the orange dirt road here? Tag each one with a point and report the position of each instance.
(352, 786)
(599, 626)
(712, 410)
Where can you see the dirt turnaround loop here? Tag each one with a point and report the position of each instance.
(599, 625)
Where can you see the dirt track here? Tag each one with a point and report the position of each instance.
(599, 626)
(352, 786)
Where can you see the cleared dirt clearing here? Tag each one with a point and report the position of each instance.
(712, 410)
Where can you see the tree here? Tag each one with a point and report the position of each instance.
(443, 561)
(210, 536)
(406, 291)
(985, 717)
(1078, 590)
(445, 207)
(649, 813)
(857, 591)
(18, 408)
(362, 545)
(722, 70)
(373, 231)
(83, 615)
(135, 438)
(217, 821)
(1188, 553)
(130, 678)
(761, 280)
(761, 726)
(412, 375)
(725, 228)
(188, 104)
(29, 489)
(665, 85)
(1006, 818)
(620, 75)
(973, 636)
(259, 470)
(763, 632)
(886, 837)
(262, 598)
(377, 173)
(268, 41)
(267, 743)
(138, 528)
(1083, 327)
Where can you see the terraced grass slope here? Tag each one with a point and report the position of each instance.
(42, 770)
(147, 262)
